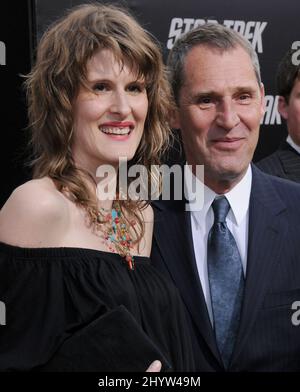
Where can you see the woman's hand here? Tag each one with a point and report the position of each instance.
(154, 367)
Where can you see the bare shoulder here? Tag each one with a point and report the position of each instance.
(34, 215)
(148, 214)
(146, 243)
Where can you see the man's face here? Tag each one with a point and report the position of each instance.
(291, 112)
(219, 112)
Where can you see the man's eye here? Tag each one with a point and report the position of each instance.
(244, 97)
(204, 101)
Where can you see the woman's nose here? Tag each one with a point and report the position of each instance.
(120, 104)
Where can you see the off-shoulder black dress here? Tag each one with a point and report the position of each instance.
(74, 309)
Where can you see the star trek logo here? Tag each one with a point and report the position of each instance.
(251, 30)
(2, 53)
(272, 115)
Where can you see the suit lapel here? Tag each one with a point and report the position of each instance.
(267, 229)
(174, 238)
(266, 236)
(290, 161)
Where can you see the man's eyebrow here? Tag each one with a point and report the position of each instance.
(213, 93)
(246, 88)
(205, 93)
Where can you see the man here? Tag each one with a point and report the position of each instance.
(285, 162)
(236, 259)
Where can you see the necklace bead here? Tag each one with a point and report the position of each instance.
(115, 232)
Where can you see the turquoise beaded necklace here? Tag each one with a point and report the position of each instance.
(116, 236)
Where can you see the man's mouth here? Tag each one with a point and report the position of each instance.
(228, 140)
(228, 143)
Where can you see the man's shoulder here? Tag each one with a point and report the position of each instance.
(281, 161)
(168, 205)
(283, 183)
(271, 164)
(287, 190)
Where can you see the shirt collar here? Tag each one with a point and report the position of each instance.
(291, 142)
(238, 197)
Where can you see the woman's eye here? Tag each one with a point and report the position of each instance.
(100, 87)
(135, 88)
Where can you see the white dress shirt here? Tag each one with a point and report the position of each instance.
(237, 221)
(291, 142)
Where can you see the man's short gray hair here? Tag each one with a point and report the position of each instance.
(211, 35)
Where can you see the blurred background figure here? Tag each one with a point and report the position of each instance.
(285, 161)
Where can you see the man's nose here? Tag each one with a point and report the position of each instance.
(120, 104)
(227, 115)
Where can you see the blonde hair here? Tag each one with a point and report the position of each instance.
(60, 70)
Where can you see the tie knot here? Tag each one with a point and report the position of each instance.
(220, 207)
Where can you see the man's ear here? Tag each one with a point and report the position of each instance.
(174, 119)
(283, 107)
(263, 101)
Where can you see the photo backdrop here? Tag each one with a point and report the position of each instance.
(272, 27)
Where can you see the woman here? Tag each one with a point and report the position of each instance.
(76, 279)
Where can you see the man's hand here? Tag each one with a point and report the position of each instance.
(154, 367)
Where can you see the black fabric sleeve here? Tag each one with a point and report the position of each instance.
(113, 342)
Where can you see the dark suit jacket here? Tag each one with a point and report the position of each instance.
(267, 339)
(284, 163)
